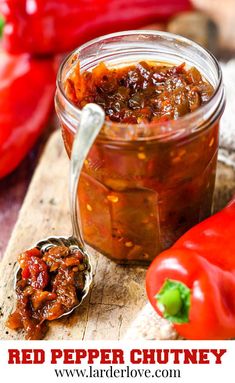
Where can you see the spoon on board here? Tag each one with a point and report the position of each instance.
(91, 122)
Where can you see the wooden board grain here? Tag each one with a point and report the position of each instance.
(117, 295)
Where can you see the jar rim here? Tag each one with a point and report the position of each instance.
(186, 119)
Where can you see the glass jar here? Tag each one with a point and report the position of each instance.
(144, 185)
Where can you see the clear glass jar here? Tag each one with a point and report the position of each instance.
(144, 185)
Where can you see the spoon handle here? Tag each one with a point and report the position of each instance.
(92, 119)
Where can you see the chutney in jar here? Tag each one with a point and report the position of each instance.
(138, 195)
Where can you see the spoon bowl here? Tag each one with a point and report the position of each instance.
(72, 243)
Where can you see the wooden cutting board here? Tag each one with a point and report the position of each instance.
(117, 294)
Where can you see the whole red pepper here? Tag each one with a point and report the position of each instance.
(52, 26)
(27, 89)
(193, 283)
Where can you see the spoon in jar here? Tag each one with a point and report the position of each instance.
(91, 122)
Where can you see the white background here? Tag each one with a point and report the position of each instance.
(222, 373)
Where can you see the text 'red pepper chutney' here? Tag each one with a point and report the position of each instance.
(150, 175)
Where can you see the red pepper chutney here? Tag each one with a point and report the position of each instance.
(137, 197)
(51, 284)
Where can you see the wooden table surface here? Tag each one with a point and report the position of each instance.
(12, 192)
(13, 188)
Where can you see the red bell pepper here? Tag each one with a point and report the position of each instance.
(52, 26)
(192, 284)
(27, 89)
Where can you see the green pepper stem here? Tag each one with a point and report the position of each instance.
(2, 24)
(173, 301)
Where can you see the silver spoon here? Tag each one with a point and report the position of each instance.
(92, 119)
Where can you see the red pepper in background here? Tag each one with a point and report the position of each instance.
(27, 89)
(54, 26)
(40, 27)
(193, 283)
